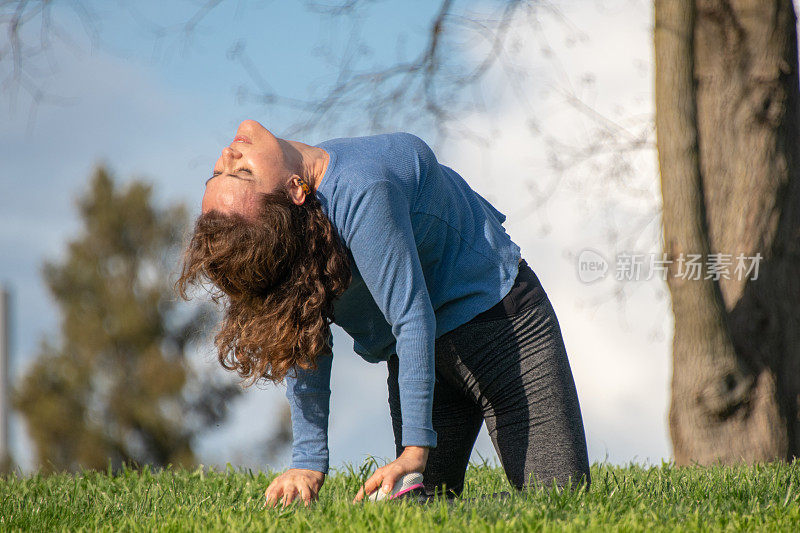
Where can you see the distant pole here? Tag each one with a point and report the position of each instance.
(5, 312)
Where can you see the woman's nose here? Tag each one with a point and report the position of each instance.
(229, 154)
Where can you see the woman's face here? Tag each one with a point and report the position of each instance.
(254, 163)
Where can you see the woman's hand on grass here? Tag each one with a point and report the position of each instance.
(293, 483)
(413, 459)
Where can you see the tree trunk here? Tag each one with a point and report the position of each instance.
(727, 128)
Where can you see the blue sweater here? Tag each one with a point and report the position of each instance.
(427, 254)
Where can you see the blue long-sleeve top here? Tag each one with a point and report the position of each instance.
(427, 254)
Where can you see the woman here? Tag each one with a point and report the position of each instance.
(374, 234)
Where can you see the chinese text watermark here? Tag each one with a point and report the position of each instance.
(592, 266)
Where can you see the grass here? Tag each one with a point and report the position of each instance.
(633, 498)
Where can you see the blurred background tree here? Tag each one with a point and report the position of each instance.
(117, 386)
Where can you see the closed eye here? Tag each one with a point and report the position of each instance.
(243, 170)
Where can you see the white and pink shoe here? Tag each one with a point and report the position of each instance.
(408, 486)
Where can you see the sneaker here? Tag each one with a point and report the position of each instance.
(408, 486)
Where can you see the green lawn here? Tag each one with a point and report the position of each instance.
(634, 498)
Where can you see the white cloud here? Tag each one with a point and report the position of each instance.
(620, 370)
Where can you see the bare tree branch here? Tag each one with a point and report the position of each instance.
(406, 86)
(344, 8)
(25, 59)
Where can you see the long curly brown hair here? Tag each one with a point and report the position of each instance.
(277, 276)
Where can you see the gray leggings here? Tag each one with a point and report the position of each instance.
(512, 372)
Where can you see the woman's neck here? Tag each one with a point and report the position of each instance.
(313, 162)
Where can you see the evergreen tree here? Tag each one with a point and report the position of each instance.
(116, 385)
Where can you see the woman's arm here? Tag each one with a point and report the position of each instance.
(309, 395)
(380, 236)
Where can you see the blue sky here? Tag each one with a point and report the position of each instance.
(162, 108)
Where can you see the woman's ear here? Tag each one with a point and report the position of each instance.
(298, 189)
